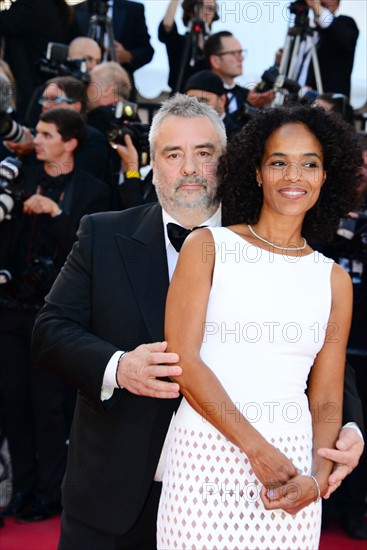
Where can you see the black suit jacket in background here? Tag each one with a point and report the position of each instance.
(27, 27)
(335, 52)
(129, 29)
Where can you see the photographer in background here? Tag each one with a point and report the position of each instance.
(224, 56)
(85, 48)
(132, 41)
(336, 38)
(110, 85)
(34, 244)
(208, 88)
(70, 93)
(27, 27)
(75, 60)
(186, 52)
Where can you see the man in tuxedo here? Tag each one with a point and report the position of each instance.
(132, 41)
(107, 303)
(224, 56)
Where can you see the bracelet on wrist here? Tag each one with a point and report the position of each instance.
(117, 369)
(317, 488)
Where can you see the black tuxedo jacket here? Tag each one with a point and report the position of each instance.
(335, 52)
(129, 28)
(109, 296)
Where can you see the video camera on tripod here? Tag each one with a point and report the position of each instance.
(293, 57)
(100, 27)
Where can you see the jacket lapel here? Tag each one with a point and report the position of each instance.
(145, 259)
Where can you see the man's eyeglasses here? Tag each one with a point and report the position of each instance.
(56, 100)
(235, 53)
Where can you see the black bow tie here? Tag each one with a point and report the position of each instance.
(177, 234)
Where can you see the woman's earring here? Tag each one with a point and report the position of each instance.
(259, 183)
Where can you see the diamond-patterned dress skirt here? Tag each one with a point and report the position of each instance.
(211, 497)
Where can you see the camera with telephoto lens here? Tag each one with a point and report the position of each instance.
(11, 190)
(10, 130)
(56, 63)
(126, 122)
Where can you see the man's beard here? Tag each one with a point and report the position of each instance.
(204, 199)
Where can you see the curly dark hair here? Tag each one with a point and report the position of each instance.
(188, 7)
(242, 198)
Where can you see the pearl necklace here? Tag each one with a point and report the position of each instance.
(275, 245)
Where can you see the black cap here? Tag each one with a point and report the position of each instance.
(205, 80)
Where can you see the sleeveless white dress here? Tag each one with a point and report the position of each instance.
(265, 324)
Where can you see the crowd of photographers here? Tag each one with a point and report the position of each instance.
(72, 143)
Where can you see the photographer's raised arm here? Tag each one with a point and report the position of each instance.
(169, 16)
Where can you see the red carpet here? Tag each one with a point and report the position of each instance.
(44, 536)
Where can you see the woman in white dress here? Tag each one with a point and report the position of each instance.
(258, 317)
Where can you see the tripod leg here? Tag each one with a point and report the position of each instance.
(290, 62)
(295, 62)
(286, 55)
(316, 68)
(111, 40)
(96, 33)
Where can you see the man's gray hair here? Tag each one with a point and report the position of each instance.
(184, 106)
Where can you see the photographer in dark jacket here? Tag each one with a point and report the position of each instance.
(70, 93)
(110, 85)
(185, 51)
(27, 27)
(33, 247)
(336, 40)
(132, 41)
